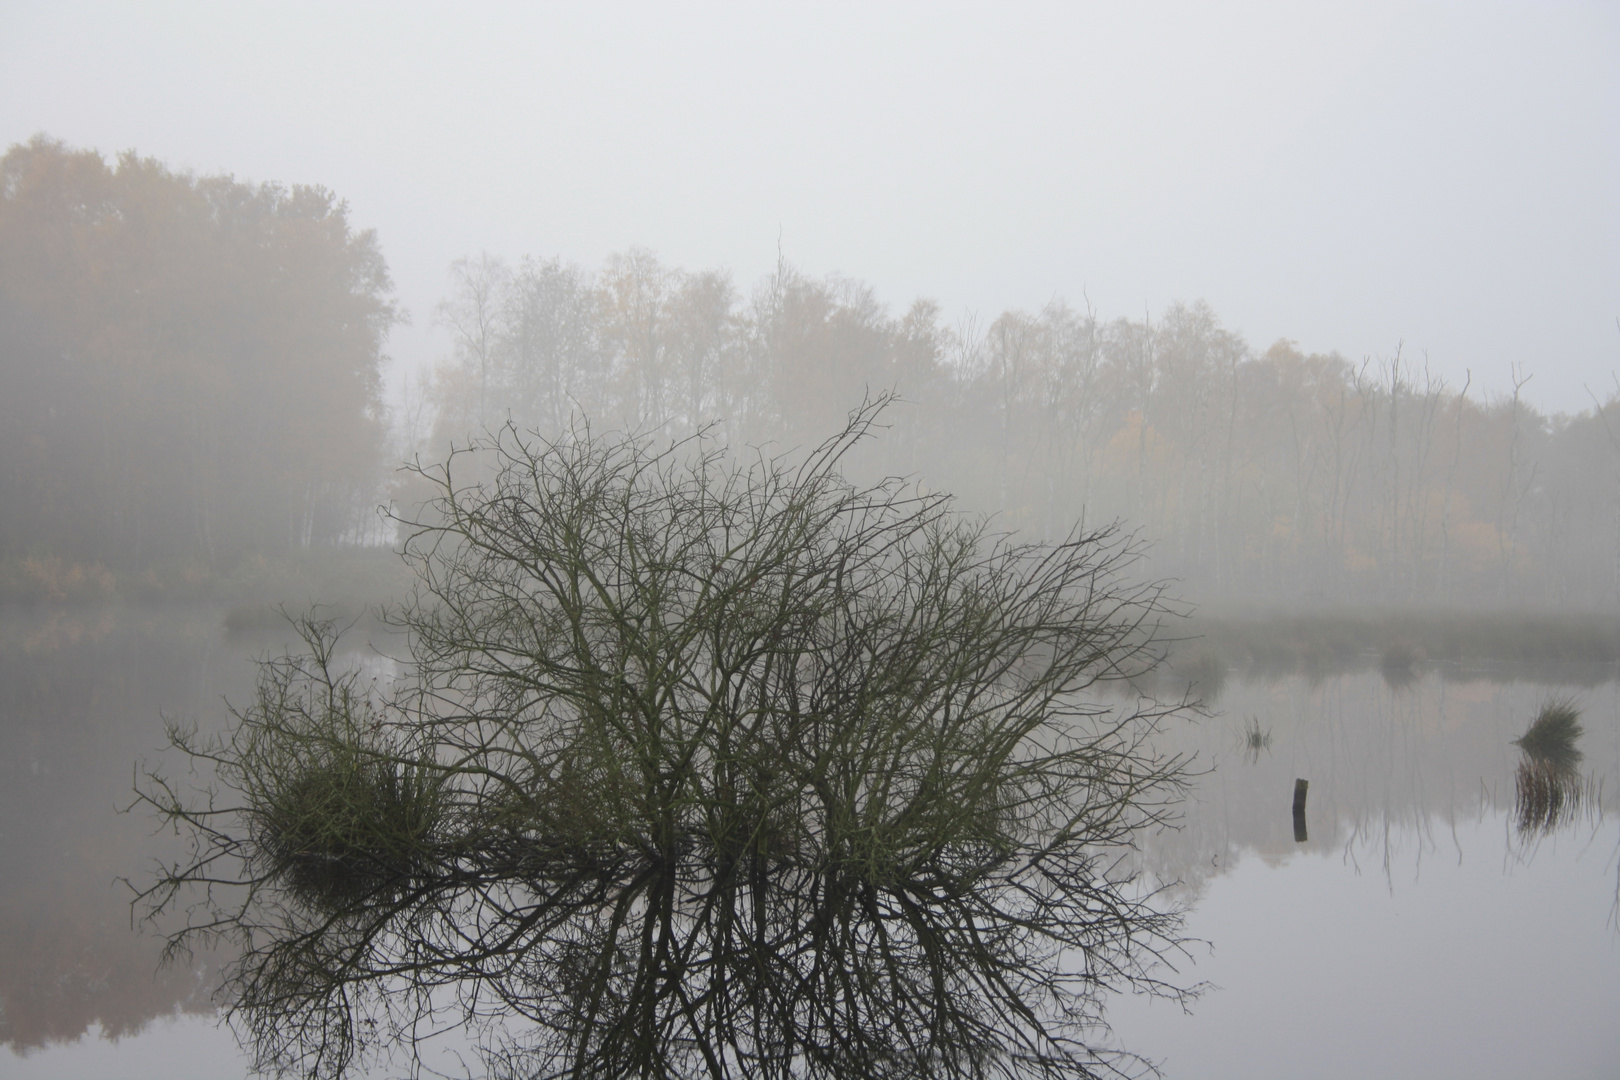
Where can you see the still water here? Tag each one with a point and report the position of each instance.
(1424, 927)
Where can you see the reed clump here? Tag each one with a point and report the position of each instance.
(1399, 664)
(351, 822)
(1255, 739)
(1548, 788)
(336, 806)
(1550, 739)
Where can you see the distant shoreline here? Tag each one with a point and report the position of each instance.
(356, 576)
(1210, 646)
(1402, 643)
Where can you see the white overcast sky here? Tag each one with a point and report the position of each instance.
(1353, 176)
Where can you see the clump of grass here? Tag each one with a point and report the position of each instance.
(1255, 739)
(350, 820)
(1397, 665)
(338, 802)
(1550, 739)
(1203, 671)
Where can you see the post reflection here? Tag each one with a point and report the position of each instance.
(1301, 833)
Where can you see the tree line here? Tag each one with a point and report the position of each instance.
(190, 377)
(1264, 475)
(189, 366)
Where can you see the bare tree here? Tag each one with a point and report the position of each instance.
(702, 769)
(553, 356)
(1512, 490)
(1461, 406)
(472, 315)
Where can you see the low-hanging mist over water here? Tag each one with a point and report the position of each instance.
(789, 543)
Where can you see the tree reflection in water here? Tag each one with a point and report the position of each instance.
(699, 770)
(81, 690)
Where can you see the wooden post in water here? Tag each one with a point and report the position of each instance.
(1300, 835)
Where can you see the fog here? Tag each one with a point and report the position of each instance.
(1394, 226)
(194, 387)
(1299, 326)
(1349, 178)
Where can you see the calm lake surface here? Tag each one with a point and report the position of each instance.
(1424, 928)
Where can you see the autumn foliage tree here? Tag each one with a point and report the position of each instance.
(188, 365)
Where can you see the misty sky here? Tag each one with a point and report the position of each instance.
(1350, 176)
